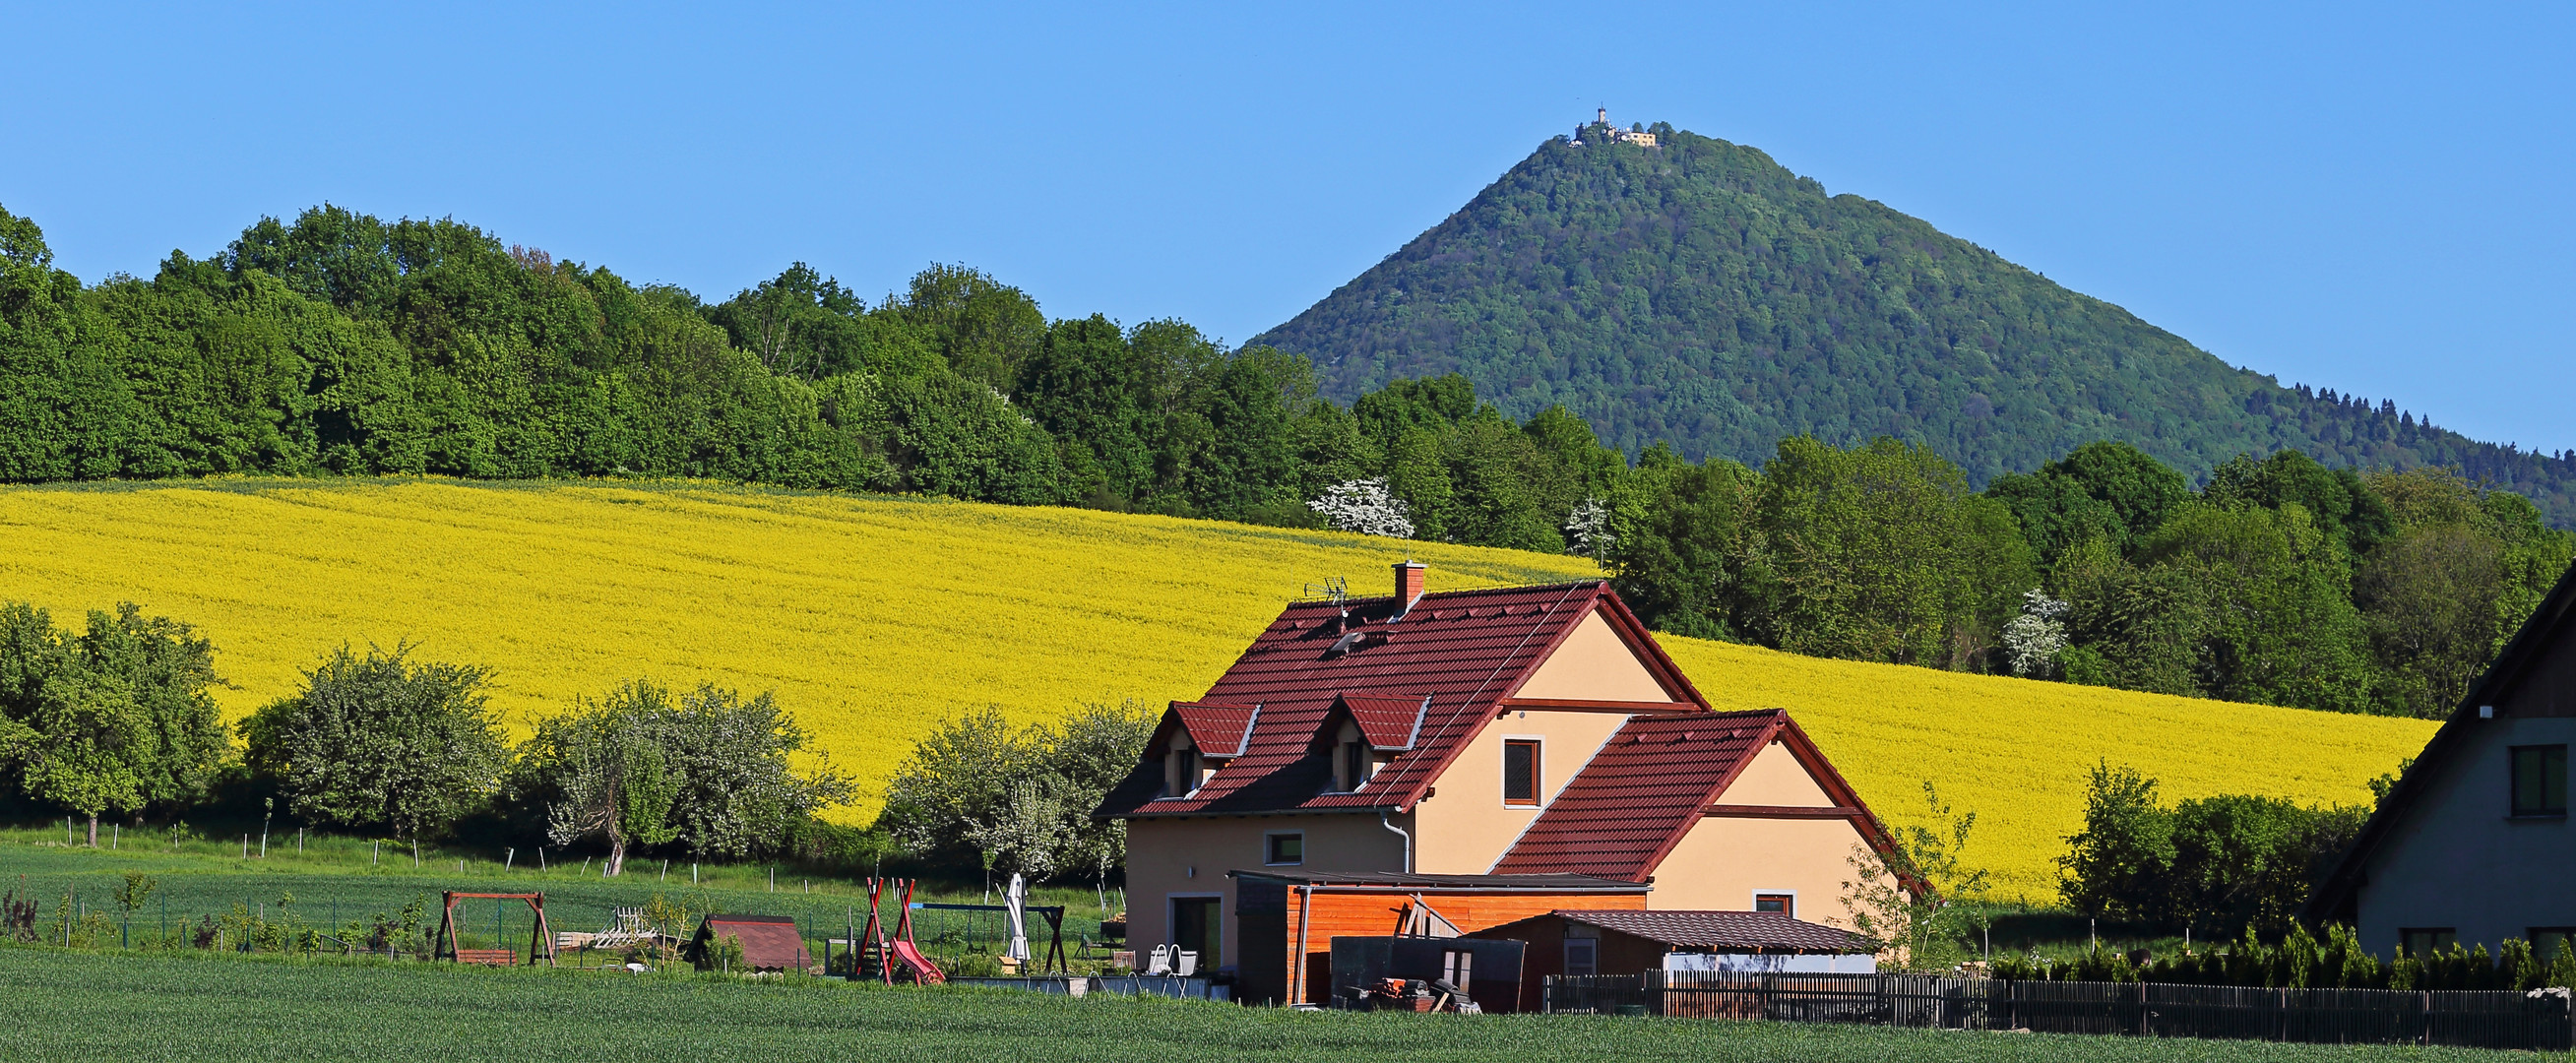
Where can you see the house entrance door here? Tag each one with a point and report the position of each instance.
(1196, 928)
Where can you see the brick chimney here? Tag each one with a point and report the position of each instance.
(1408, 585)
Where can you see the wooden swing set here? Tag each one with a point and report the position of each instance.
(540, 935)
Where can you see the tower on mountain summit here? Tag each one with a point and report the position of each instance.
(1610, 133)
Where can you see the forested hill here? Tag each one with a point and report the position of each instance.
(1701, 293)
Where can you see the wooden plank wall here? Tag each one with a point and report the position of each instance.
(1380, 914)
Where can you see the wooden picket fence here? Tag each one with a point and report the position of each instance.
(2539, 1020)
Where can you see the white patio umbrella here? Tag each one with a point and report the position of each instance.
(1018, 901)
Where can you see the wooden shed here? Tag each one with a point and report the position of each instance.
(1622, 941)
(1287, 919)
(769, 942)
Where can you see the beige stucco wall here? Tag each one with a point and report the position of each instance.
(1723, 861)
(1163, 853)
(1593, 663)
(1465, 825)
(1775, 778)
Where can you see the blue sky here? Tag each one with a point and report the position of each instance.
(2371, 198)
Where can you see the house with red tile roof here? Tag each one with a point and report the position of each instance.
(1517, 735)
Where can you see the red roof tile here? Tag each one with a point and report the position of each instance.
(1217, 729)
(1387, 723)
(1618, 816)
(1466, 650)
(1623, 813)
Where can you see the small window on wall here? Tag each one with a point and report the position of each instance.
(1783, 903)
(2548, 943)
(1520, 772)
(1582, 955)
(2540, 780)
(2425, 941)
(1284, 849)
(1458, 966)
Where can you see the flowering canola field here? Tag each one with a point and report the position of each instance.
(874, 617)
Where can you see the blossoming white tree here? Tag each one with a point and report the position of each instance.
(1587, 529)
(1366, 507)
(2034, 639)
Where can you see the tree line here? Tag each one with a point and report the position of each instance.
(116, 720)
(2277, 581)
(341, 343)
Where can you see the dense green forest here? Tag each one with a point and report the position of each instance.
(342, 344)
(1700, 293)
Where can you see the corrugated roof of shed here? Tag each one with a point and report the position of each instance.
(1723, 931)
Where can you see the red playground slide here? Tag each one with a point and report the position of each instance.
(924, 972)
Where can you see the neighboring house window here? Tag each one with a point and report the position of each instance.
(1284, 848)
(1783, 903)
(1181, 768)
(1582, 955)
(1520, 772)
(2540, 780)
(2550, 942)
(2425, 941)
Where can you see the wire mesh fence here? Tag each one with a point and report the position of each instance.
(2535, 1020)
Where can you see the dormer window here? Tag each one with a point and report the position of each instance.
(1353, 760)
(1183, 770)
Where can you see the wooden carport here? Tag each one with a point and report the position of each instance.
(1288, 918)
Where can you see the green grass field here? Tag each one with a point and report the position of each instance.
(209, 1009)
(340, 879)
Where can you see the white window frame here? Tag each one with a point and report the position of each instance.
(1502, 773)
(1756, 898)
(1266, 848)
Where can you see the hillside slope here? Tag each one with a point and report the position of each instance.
(872, 617)
(1701, 293)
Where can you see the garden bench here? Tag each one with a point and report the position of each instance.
(489, 957)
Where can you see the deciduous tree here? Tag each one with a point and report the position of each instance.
(378, 742)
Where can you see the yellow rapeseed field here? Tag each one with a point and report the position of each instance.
(873, 617)
(2018, 752)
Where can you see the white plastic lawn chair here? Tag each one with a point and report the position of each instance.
(1159, 961)
(1187, 962)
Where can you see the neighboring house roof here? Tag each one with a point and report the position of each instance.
(1723, 931)
(1466, 650)
(1217, 729)
(2337, 897)
(769, 942)
(1418, 881)
(1653, 781)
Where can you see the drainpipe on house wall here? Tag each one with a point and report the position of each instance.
(1400, 832)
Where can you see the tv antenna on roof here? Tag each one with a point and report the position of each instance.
(1334, 589)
